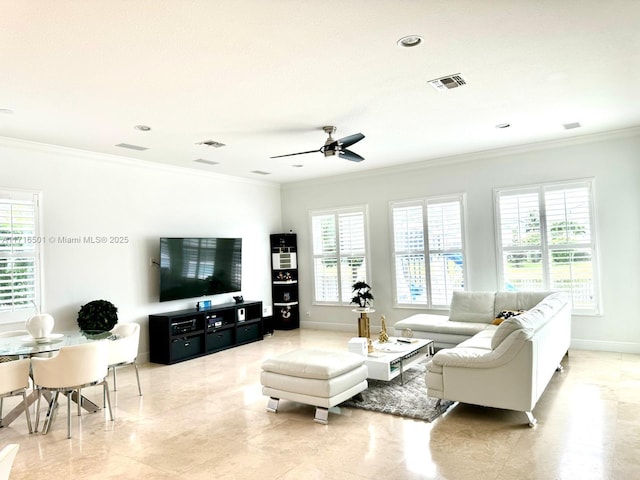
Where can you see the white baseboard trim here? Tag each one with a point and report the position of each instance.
(339, 327)
(576, 343)
(605, 346)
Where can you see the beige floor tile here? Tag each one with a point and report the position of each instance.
(206, 418)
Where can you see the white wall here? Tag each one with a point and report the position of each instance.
(613, 160)
(85, 194)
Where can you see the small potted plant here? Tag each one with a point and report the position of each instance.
(362, 295)
(97, 317)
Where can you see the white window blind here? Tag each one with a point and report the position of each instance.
(547, 241)
(19, 252)
(428, 250)
(339, 253)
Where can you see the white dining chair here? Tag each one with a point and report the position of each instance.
(123, 349)
(74, 368)
(7, 456)
(14, 381)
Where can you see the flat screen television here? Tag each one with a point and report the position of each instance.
(195, 267)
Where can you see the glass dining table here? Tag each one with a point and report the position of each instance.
(26, 346)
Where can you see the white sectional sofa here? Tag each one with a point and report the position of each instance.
(506, 366)
(470, 313)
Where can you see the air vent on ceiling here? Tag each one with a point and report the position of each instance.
(208, 162)
(211, 143)
(569, 126)
(448, 82)
(132, 147)
(260, 172)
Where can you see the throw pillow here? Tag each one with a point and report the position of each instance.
(504, 314)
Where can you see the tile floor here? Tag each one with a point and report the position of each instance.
(206, 418)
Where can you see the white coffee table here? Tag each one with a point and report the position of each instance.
(394, 357)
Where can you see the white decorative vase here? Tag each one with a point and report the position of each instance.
(40, 325)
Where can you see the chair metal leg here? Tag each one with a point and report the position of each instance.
(135, 365)
(26, 411)
(105, 390)
(79, 402)
(51, 410)
(115, 385)
(69, 414)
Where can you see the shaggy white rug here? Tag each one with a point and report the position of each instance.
(408, 400)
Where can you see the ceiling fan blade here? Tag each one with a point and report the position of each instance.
(346, 142)
(351, 156)
(299, 153)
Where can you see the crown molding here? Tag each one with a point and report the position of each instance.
(470, 157)
(75, 153)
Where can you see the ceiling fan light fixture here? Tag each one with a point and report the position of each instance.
(409, 41)
(143, 128)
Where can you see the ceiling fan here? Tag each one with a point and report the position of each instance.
(331, 146)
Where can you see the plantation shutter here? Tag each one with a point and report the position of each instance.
(339, 251)
(410, 262)
(547, 241)
(428, 250)
(571, 245)
(445, 250)
(19, 251)
(521, 238)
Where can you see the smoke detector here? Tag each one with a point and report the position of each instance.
(448, 82)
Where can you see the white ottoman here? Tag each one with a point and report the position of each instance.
(323, 378)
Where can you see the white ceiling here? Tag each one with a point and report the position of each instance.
(264, 77)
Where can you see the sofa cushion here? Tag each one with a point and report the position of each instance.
(472, 307)
(518, 300)
(424, 322)
(480, 340)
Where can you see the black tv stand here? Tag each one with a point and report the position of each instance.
(186, 334)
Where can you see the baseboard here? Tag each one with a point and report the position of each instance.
(576, 343)
(339, 327)
(605, 346)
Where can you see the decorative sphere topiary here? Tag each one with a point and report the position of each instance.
(98, 315)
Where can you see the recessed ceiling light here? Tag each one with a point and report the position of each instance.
(569, 126)
(142, 128)
(297, 165)
(410, 41)
(6, 111)
(261, 172)
(503, 125)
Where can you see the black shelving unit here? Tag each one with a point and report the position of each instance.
(186, 334)
(284, 281)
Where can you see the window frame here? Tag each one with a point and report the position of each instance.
(546, 248)
(19, 313)
(427, 252)
(336, 212)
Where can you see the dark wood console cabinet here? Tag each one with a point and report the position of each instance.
(186, 334)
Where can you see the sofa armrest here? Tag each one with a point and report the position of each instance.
(481, 358)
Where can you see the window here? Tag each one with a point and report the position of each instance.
(428, 250)
(547, 241)
(339, 253)
(19, 253)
